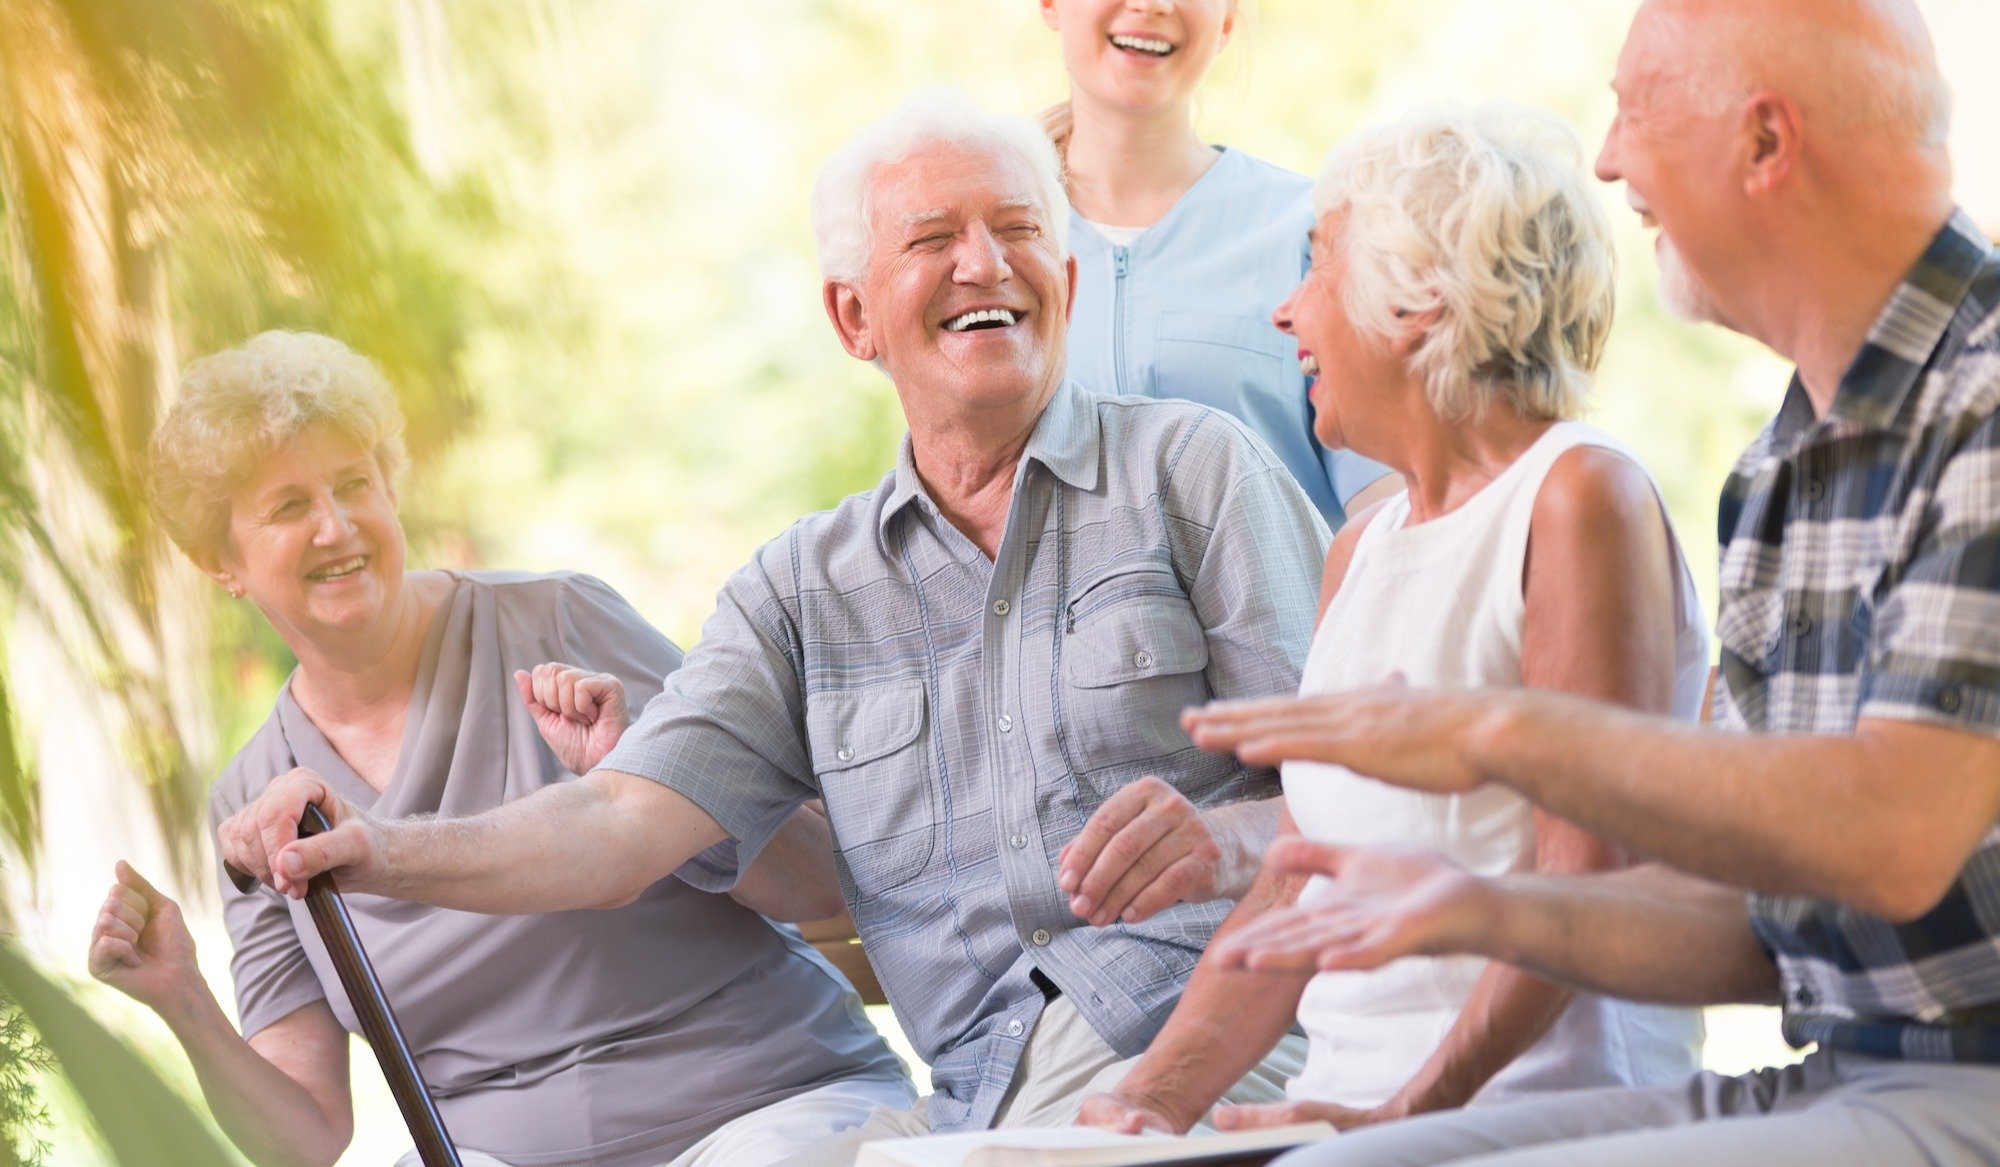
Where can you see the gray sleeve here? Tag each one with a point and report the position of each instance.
(1255, 585)
(269, 967)
(728, 728)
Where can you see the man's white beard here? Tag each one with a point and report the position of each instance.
(1680, 292)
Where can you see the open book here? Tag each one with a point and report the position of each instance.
(1078, 1146)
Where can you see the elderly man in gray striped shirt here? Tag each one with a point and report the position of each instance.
(967, 664)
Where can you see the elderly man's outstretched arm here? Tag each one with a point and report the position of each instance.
(1645, 933)
(595, 842)
(1882, 820)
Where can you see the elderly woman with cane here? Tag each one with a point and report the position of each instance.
(679, 1027)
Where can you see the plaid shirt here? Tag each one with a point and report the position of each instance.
(963, 718)
(1861, 579)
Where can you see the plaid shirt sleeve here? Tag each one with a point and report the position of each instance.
(1934, 647)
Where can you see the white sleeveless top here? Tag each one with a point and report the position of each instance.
(1442, 603)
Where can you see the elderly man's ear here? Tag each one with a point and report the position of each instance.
(1770, 139)
(850, 320)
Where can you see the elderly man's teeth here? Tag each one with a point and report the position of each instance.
(1309, 365)
(996, 317)
(341, 570)
(1143, 45)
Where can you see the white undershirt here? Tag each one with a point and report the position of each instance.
(1116, 236)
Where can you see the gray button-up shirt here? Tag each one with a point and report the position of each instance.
(963, 718)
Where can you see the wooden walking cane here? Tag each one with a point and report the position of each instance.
(371, 1005)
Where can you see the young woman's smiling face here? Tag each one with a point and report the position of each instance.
(1139, 55)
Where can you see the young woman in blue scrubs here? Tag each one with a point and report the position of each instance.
(1184, 249)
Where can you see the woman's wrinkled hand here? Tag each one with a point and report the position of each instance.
(580, 714)
(141, 946)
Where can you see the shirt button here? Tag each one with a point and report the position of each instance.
(1017, 840)
(1815, 489)
(844, 753)
(1002, 607)
(1949, 699)
(1006, 724)
(1802, 624)
(1041, 938)
(1014, 1028)
(1143, 659)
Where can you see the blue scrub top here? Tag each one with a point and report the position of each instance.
(1185, 311)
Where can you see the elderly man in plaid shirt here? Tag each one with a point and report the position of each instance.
(1791, 154)
(968, 664)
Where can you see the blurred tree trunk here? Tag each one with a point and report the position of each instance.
(174, 177)
(89, 576)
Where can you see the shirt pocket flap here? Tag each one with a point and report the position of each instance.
(1250, 333)
(1153, 636)
(852, 727)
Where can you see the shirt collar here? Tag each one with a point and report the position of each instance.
(1904, 337)
(1065, 439)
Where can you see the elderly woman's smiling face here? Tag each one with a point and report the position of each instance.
(314, 539)
(1354, 375)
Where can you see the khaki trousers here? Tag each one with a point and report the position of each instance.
(1833, 1110)
(1065, 1062)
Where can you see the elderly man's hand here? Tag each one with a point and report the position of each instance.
(263, 840)
(580, 714)
(1382, 904)
(1423, 739)
(1128, 1116)
(1148, 848)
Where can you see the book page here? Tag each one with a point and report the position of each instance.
(1078, 1147)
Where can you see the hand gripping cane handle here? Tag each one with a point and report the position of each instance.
(371, 1005)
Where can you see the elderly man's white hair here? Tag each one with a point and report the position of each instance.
(929, 117)
(1485, 218)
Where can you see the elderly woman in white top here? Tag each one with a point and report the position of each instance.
(1460, 293)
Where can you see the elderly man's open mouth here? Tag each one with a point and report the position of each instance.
(985, 320)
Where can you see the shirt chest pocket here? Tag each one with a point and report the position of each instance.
(1221, 361)
(870, 753)
(1133, 655)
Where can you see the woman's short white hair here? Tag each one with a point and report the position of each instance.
(1483, 216)
(238, 406)
(929, 117)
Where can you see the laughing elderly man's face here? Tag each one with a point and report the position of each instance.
(965, 294)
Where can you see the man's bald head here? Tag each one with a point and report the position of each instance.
(1853, 67)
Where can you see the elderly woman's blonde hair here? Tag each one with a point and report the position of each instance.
(238, 406)
(1485, 217)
